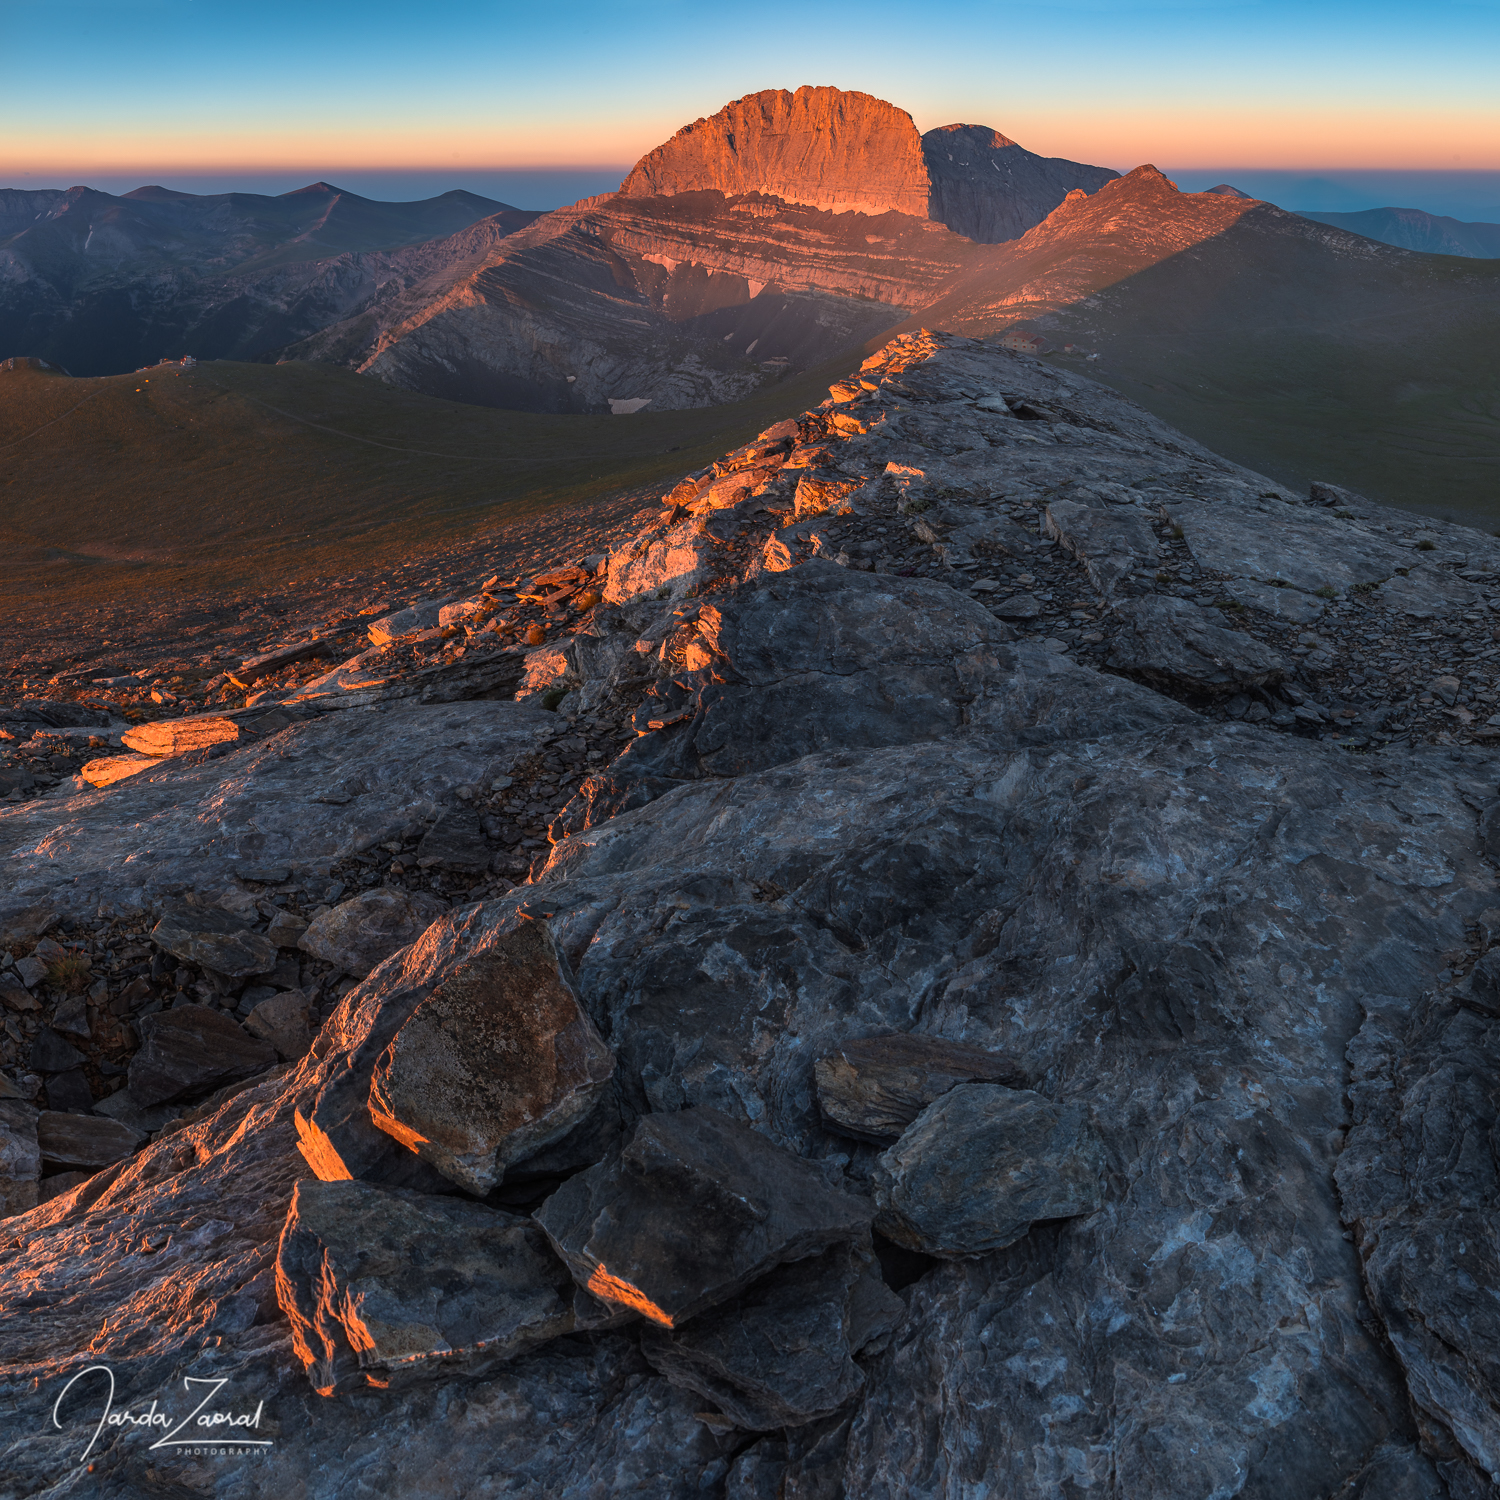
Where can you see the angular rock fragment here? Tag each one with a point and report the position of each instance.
(364, 931)
(498, 1062)
(285, 930)
(20, 1158)
(1175, 644)
(455, 842)
(112, 768)
(283, 1021)
(693, 1209)
(217, 940)
(392, 1283)
(190, 1049)
(875, 1087)
(84, 1140)
(69, 1091)
(777, 1355)
(180, 736)
(267, 663)
(51, 1054)
(983, 1163)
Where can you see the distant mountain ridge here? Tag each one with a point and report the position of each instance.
(1412, 229)
(102, 283)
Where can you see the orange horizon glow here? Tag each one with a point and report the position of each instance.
(1268, 139)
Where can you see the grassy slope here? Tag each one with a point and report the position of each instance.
(194, 481)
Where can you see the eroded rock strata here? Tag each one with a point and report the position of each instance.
(1015, 1017)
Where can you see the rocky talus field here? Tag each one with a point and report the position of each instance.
(949, 958)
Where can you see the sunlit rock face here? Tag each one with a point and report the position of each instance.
(827, 148)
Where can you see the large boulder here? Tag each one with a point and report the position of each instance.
(498, 1062)
(379, 1283)
(693, 1209)
(983, 1163)
(362, 932)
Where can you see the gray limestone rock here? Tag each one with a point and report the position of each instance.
(214, 939)
(1179, 645)
(190, 1049)
(1281, 604)
(695, 1208)
(51, 1054)
(779, 1354)
(1307, 548)
(398, 1284)
(1111, 543)
(1420, 1181)
(313, 793)
(455, 842)
(283, 1021)
(361, 933)
(497, 1063)
(874, 1087)
(981, 1165)
(20, 1157)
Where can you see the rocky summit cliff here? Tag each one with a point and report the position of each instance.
(960, 958)
(825, 147)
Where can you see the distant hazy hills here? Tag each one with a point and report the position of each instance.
(102, 284)
(1412, 229)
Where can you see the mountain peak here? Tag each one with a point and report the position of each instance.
(318, 187)
(1149, 174)
(1224, 190)
(980, 137)
(824, 147)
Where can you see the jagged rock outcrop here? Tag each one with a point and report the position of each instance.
(1171, 917)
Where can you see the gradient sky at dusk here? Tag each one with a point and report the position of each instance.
(110, 91)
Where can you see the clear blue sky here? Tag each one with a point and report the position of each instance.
(116, 91)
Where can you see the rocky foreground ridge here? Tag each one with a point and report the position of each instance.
(1017, 1016)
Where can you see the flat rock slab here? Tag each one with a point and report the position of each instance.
(84, 1140)
(364, 931)
(779, 1354)
(398, 1283)
(1177, 644)
(1111, 542)
(874, 1087)
(313, 793)
(1309, 549)
(217, 940)
(982, 1164)
(190, 1049)
(109, 769)
(1281, 604)
(693, 1209)
(497, 1063)
(166, 737)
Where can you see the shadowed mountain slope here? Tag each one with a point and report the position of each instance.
(1312, 352)
(1412, 229)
